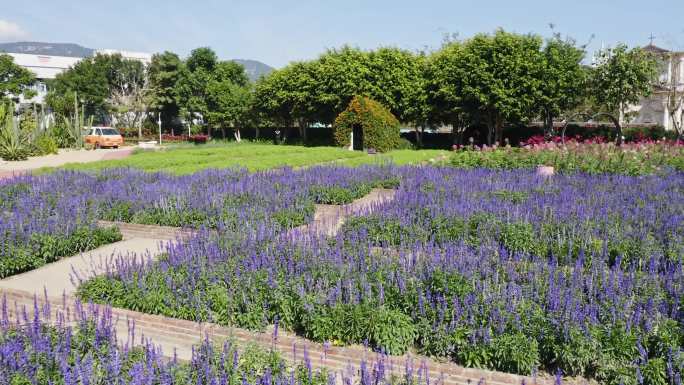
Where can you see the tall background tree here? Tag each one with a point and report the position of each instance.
(444, 79)
(14, 79)
(564, 79)
(164, 70)
(228, 97)
(500, 75)
(108, 87)
(191, 89)
(621, 78)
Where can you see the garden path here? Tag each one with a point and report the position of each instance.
(8, 169)
(61, 277)
(328, 219)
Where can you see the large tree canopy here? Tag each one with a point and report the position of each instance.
(14, 79)
(93, 81)
(318, 90)
(164, 70)
(621, 77)
(564, 79)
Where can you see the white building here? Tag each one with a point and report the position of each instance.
(654, 109)
(44, 67)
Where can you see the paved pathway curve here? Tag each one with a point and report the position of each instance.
(328, 219)
(59, 277)
(8, 169)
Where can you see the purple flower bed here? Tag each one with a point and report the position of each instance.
(51, 216)
(632, 218)
(44, 219)
(579, 275)
(45, 350)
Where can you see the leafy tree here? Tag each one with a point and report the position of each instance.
(291, 95)
(443, 84)
(93, 81)
(318, 90)
(622, 77)
(500, 74)
(14, 79)
(563, 85)
(230, 106)
(388, 75)
(193, 79)
(228, 97)
(164, 70)
(129, 100)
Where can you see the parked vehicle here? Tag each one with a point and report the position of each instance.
(101, 137)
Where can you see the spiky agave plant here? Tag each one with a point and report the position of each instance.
(73, 126)
(14, 144)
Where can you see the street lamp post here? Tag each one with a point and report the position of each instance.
(160, 134)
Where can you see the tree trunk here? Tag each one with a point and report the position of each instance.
(490, 127)
(419, 136)
(236, 133)
(301, 123)
(256, 133)
(457, 133)
(548, 124)
(499, 130)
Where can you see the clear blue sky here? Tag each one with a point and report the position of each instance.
(277, 32)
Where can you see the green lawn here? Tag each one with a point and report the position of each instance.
(185, 159)
(398, 157)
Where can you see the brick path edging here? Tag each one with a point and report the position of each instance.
(182, 334)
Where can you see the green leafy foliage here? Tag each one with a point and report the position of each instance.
(14, 79)
(46, 248)
(335, 195)
(380, 127)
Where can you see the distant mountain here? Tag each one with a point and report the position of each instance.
(254, 69)
(52, 49)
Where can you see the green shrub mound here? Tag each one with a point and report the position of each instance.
(380, 127)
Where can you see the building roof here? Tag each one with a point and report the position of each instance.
(655, 49)
(44, 66)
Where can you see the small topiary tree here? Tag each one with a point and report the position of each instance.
(370, 120)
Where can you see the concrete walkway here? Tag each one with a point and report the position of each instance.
(328, 219)
(7, 169)
(60, 277)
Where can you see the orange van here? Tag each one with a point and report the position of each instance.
(101, 137)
